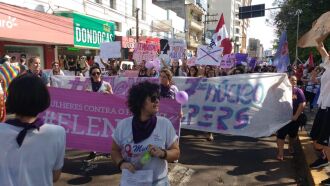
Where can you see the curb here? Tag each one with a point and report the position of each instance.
(314, 176)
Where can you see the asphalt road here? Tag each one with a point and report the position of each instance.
(228, 160)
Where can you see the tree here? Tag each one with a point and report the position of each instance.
(286, 19)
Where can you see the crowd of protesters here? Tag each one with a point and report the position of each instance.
(306, 81)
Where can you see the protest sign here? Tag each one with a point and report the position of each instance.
(209, 56)
(177, 48)
(90, 118)
(145, 51)
(191, 61)
(252, 105)
(110, 50)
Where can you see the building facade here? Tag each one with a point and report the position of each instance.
(255, 48)
(236, 28)
(154, 22)
(192, 12)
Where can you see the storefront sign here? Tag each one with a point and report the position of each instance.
(10, 22)
(91, 32)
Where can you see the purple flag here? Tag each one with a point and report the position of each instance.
(282, 59)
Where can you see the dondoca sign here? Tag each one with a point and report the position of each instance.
(91, 32)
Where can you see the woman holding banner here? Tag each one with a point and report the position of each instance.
(291, 129)
(97, 84)
(32, 152)
(154, 136)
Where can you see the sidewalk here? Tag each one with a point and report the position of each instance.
(314, 176)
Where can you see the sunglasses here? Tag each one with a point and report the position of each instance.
(96, 73)
(154, 98)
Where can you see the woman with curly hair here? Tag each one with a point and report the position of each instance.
(152, 134)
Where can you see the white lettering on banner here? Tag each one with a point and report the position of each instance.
(96, 126)
(9, 23)
(91, 126)
(78, 34)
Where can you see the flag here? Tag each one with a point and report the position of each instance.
(7, 73)
(318, 32)
(221, 38)
(282, 59)
(310, 60)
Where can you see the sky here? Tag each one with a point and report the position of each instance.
(259, 29)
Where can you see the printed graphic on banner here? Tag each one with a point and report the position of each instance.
(145, 51)
(209, 56)
(177, 48)
(89, 123)
(110, 50)
(237, 105)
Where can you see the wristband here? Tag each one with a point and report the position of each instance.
(165, 154)
(120, 163)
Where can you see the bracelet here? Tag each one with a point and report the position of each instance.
(165, 154)
(120, 163)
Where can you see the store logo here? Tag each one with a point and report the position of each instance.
(9, 23)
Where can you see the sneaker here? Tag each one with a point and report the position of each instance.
(319, 163)
(326, 182)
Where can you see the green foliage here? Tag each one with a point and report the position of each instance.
(286, 19)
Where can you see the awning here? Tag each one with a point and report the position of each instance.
(28, 26)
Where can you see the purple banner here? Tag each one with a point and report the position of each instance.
(90, 118)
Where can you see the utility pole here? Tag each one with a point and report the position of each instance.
(137, 24)
(207, 20)
(298, 12)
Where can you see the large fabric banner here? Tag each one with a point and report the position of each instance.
(90, 118)
(252, 105)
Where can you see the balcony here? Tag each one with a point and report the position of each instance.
(195, 25)
(161, 26)
(193, 43)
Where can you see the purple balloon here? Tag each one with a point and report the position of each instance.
(181, 97)
(149, 64)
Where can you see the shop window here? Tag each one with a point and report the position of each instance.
(29, 51)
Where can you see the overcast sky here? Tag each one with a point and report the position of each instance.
(259, 29)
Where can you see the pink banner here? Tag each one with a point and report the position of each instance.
(90, 118)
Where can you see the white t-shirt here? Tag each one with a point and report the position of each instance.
(103, 88)
(163, 136)
(324, 98)
(33, 163)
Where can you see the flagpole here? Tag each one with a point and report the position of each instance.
(298, 12)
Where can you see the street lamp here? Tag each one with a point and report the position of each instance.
(298, 12)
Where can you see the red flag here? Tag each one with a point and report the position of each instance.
(221, 38)
(310, 60)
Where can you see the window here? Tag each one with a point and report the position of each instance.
(237, 31)
(98, 1)
(143, 12)
(113, 4)
(133, 8)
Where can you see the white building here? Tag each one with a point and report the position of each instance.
(236, 28)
